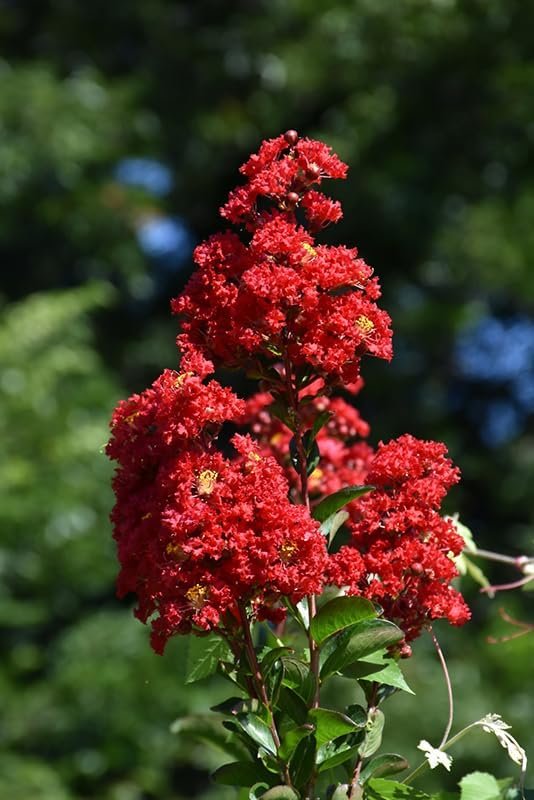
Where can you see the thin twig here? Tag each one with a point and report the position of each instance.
(449, 689)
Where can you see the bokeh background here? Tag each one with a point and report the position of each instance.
(122, 125)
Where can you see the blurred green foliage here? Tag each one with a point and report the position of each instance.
(430, 103)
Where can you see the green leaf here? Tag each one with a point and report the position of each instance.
(332, 524)
(386, 764)
(257, 730)
(379, 670)
(241, 773)
(479, 786)
(337, 500)
(382, 789)
(272, 656)
(302, 763)
(360, 640)
(203, 656)
(330, 756)
(293, 705)
(373, 734)
(256, 791)
(330, 724)
(229, 707)
(320, 420)
(338, 614)
(290, 740)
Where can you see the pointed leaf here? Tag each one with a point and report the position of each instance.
(360, 640)
(373, 734)
(332, 524)
(203, 656)
(302, 763)
(337, 500)
(272, 656)
(291, 739)
(382, 789)
(386, 764)
(293, 705)
(329, 757)
(257, 730)
(379, 669)
(338, 614)
(330, 724)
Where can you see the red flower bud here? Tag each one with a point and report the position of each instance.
(291, 137)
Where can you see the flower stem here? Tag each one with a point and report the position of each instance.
(449, 689)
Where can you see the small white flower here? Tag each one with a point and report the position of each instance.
(434, 756)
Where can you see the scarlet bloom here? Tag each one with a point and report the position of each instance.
(406, 547)
(280, 294)
(199, 534)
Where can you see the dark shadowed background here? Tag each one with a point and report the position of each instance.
(122, 125)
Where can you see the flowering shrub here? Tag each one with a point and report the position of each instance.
(332, 554)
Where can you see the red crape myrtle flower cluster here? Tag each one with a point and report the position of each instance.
(205, 537)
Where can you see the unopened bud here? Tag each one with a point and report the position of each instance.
(417, 568)
(292, 198)
(291, 137)
(405, 651)
(313, 172)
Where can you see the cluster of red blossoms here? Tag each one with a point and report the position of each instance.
(199, 534)
(204, 537)
(279, 292)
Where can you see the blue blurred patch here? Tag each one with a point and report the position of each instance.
(494, 362)
(145, 173)
(166, 240)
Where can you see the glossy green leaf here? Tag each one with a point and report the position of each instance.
(373, 733)
(291, 738)
(382, 789)
(258, 790)
(378, 669)
(386, 764)
(293, 705)
(337, 500)
(272, 656)
(330, 755)
(230, 707)
(332, 524)
(203, 656)
(360, 640)
(320, 421)
(338, 614)
(330, 724)
(257, 730)
(479, 786)
(302, 763)
(240, 773)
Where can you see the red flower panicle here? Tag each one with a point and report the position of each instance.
(197, 533)
(281, 293)
(201, 535)
(406, 547)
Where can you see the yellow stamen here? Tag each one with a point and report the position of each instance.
(365, 324)
(175, 551)
(317, 474)
(311, 252)
(131, 418)
(276, 438)
(197, 595)
(287, 551)
(206, 481)
(181, 378)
